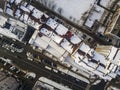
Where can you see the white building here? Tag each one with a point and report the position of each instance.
(58, 40)
(49, 85)
(12, 28)
(61, 42)
(26, 13)
(104, 61)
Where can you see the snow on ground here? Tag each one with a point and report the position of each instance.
(73, 8)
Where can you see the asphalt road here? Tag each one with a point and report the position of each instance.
(39, 69)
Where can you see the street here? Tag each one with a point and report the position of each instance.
(40, 70)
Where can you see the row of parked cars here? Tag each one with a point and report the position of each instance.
(11, 46)
(16, 70)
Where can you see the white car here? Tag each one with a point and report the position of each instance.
(30, 75)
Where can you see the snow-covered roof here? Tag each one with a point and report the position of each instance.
(56, 38)
(105, 2)
(94, 15)
(67, 45)
(84, 65)
(52, 23)
(91, 52)
(9, 11)
(112, 53)
(24, 4)
(24, 18)
(48, 44)
(31, 22)
(24, 9)
(53, 52)
(30, 7)
(93, 65)
(37, 14)
(56, 47)
(18, 13)
(75, 39)
(2, 20)
(86, 60)
(40, 42)
(113, 75)
(46, 32)
(100, 68)
(100, 58)
(8, 5)
(111, 66)
(85, 48)
(78, 57)
(8, 33)
(17, 1)
(11, 1)
(117, 56)
(61, 30)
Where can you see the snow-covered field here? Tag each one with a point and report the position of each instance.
(71, 9)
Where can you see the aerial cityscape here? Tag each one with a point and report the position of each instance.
(59, 45)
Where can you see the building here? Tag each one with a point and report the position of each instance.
(26, 13)
(113, 26)
(9, 83)
(88, 12)
(103, 61)
(55, 38)
(12, 28)
(47, 84)
(62, 43)
(59, 41)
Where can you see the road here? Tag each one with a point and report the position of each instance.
(40, 69)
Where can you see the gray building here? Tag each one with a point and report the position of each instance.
(8, 83)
